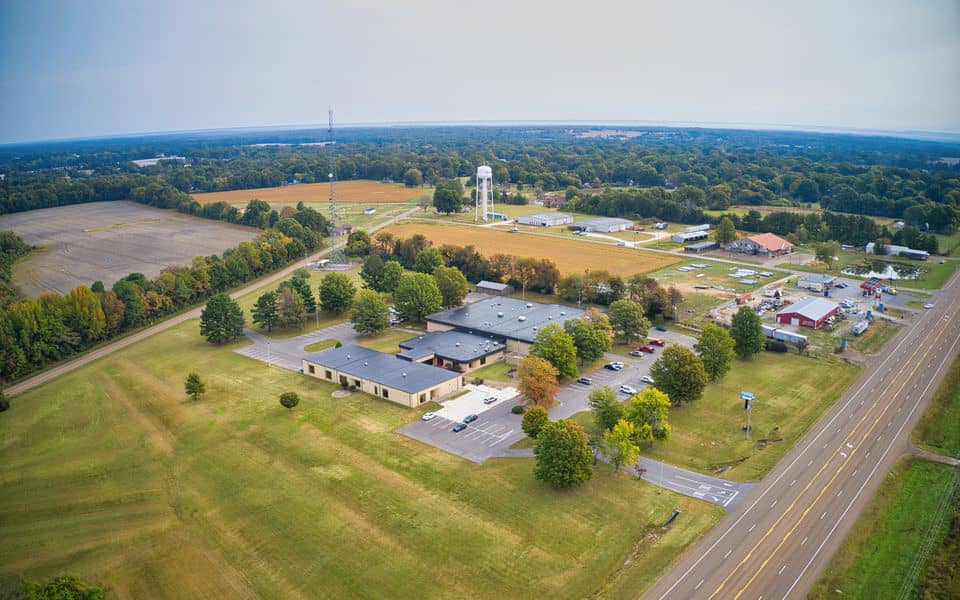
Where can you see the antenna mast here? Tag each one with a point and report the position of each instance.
(332, 208)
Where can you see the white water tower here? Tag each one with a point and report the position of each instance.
(484, 204)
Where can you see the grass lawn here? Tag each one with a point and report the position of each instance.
(792, 392)
(388, 341)
(939, 430)
(109, 473)
(321, 345)
(874, 338)
(934, 277)
(876, 560)
(495, 372)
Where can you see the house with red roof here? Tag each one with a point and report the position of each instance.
(762, 244)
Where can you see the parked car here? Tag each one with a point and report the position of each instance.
(618, 363)
(660, 343)
(514, 230)
(612, 367)
(626, 389)
(621, 243)
(928, 305)
(841, 284)
(458, 427)
(489, 399)
(646, 379)
(647, 349)
(470, 418)
(636, 353)
(584, 380)
(660, 328)
(428, 416)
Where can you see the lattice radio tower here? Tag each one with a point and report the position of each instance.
(332, 208)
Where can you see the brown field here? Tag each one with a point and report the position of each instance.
(571, 256)
(359, 191)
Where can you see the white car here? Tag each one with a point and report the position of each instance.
(489, 399)
(928, 305)
(427, 416)
(626, 389)
(646, 379)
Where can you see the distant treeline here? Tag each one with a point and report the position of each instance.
(37, 332)
(709, 169)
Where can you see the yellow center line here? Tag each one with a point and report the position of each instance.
(920, 348)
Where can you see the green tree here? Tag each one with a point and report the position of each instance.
(562, 453)
(358, 243)
(533, 421)
(412, 177)
(265, 312)
(289, 400)
(606, 409)
(428, 260)
(134, 311)
(537, 380)
(336, 292)
(680, 374)
(221, 320)
(648, 410)
(302, 287)
(417, 296)
(827, 252)
(372, 272)
(747, 332)
(448, 197)
(725, 232)
(452, 285)
(590, 338)
(392, 271)
(716, 347)
(370, 313)
(290, 309)
(61, 587)
(626, 318)
(194, 386)
(82, 313)
(619, 446)
(556, 346)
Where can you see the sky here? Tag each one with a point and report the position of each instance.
(81, 69)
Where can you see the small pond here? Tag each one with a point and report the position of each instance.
(884, 270)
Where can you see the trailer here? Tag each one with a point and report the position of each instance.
(783, 335)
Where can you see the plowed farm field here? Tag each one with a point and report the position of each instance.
(359, 191)
(571, 256)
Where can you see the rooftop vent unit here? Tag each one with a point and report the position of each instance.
(563, 312)
(404, 374)
(529, 305)
(521, 318)
(458, 344)
(499, 314)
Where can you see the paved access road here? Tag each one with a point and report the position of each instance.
(132, 338)
(775, 543)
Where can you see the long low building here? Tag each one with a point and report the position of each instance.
(892, 250)
(454, 350)
(511, 320)
(816, 282)
(386, 376)
(682, 237)
(762, 244)
(810, 312)
(602, 224)
(548, 219)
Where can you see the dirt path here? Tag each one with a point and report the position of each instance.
(110, 348)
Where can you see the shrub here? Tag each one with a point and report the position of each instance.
(776, 346)
(517, 410)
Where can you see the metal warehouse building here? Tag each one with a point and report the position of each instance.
(545, 219)
(810, 312)
(816, 282)
(701, 247)
(602, 224)
(682, 237)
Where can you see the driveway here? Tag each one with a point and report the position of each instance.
(289, 353)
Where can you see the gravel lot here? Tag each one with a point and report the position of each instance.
(107, 240)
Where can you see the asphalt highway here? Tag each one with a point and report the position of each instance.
(776, 540)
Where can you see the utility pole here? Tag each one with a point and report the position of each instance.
(748, 400)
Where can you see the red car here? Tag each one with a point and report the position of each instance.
(646, 349)
(657, 343)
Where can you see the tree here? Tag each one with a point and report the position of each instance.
(336, 292)
(62, 587)
(562, 453)
(747, 332)
(392, 271)
(412, 177)
(289, 400)
(725, 233)
(538, 380)
(827, 251)
(82, 313)
(448, 197)
(265, 312)
(716, 347)
(300, 285)
(372, 272)
(680, 373)
(648, 411)
(221, 320)
(606, 409)
(358, 243)
(452, 285)
(626, 317)
(619, 446)
(194, 386)
(4, 403)
(590, 338)
(533, 421)
(291, 312)
(428, 260)
(556, 346)
(370, 313)
(417, 296)
(130, 294)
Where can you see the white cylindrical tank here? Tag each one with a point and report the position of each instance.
(484, 172)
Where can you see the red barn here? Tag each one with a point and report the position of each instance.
(810, 312)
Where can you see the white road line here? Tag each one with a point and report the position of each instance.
(774, 504)
(823, 515)
(780, 572)
(728, 553)
(792, 482)
(751, 528)
(698, 585)
(804, 541)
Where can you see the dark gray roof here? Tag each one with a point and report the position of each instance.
(817, 278)
(506, 317)
(701, 245)
(451, 345)
(381, 368)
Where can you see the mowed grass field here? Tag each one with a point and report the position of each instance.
(357, 190)
(792, 392)
(111, 474)
(571, 256)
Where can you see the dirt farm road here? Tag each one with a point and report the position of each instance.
(111, 347)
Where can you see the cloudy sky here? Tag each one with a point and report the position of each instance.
(76, 69)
